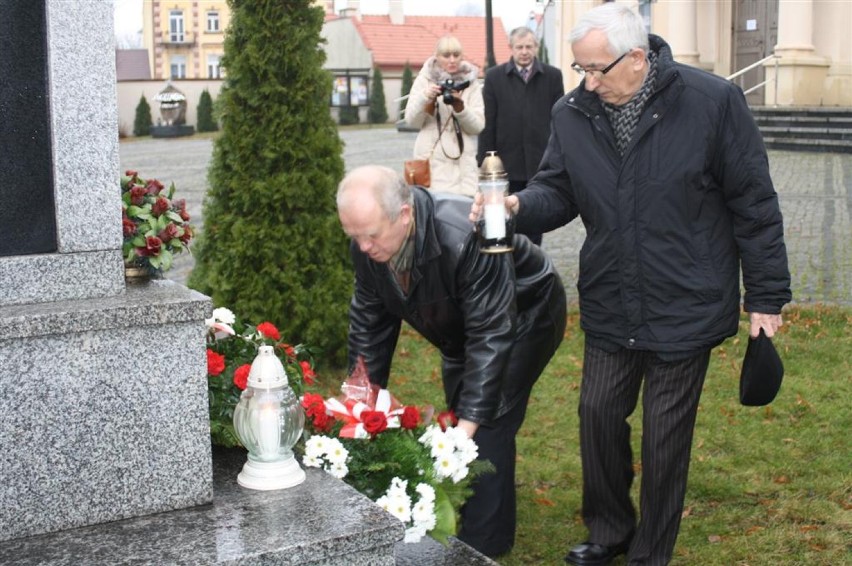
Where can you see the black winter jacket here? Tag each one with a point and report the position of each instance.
(668, 223)
(496, 318)
(517, 116)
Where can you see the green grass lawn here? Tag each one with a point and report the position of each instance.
(767, 486)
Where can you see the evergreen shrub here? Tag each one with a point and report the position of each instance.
(272, 248)
(348, 115)
(206, 123)
(142, 122)
(405, 87)
(377, 114)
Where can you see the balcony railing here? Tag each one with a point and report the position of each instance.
(176, 39)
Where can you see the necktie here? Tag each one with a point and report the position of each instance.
(525, 73)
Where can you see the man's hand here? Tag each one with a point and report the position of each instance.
(770, 323)
(469, 427)
(513, 205)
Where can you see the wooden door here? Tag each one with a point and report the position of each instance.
(755, 33)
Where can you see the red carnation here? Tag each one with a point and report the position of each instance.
(268, 329)
(215, 362)
(447, 419)
(241, 376)
(288, 349)
(307, 373)
(410, 418)
(374, 422)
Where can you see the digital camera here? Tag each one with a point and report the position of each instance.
(449, 86)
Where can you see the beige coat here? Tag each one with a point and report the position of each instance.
(448, 175)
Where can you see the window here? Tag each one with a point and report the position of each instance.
(178, 67)
(176, 28)
(213, 69)
(213, 21)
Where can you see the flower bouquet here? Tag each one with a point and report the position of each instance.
(232, 345)
(419, 472)
(155, 227)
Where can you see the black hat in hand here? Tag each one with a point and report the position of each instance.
(762, 372)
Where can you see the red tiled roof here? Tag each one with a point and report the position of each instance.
(414, 41)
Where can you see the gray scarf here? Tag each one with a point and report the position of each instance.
(623, 119)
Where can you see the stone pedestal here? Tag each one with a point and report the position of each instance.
(103, 388)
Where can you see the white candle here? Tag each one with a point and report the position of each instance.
(495, 221)
(268, 430)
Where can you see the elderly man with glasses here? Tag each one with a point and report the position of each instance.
(668, 172)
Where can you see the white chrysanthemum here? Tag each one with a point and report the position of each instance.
(426, 438)
(222, 314)
(336, 452)
(400, 507)
(338, 469)
(397, 487)
(467, 450)
(426, 492)
(312, 461)
(415, 533)
(423, 515)
(316, 446)
(441, 445)
(446, 465)
(460, 473)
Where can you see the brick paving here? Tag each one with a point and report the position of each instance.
(815, 192)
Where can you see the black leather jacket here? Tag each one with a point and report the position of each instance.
(496, 318)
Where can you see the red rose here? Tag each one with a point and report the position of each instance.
(268, 329)
(128, 227)
(130, 173)
(180, 206)
(153, 187)
(307, 373)
(187, 235)
(168, 233)
(374, 422)
(447, 419)
(288, 349)
(241, 376)
(410, 418)
(215, 362)
(137, 195)
(161, 205)
(152, 247)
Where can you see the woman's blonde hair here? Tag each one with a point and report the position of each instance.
(447, 44)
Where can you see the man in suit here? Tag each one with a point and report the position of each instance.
(518, 96)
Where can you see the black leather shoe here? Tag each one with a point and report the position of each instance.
(591, 554)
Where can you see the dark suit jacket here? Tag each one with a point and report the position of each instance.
(517, 116)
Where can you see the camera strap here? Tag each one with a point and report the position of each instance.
(456, 127)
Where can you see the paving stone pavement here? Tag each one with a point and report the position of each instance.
(815, 192)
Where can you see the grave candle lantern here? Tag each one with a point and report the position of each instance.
(269, 420)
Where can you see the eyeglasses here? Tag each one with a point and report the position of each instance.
(597, 73)
(449, 54)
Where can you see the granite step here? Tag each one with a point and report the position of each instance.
(322, 522)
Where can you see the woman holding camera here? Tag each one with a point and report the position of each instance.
(445, 102)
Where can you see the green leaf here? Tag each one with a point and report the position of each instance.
(445, 518)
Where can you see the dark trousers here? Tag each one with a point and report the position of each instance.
(608, 395)
(515, 186)
(488, 517)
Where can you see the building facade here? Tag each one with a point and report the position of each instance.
(810, 39)
(185, 38)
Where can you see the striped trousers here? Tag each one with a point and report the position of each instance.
(608, 395)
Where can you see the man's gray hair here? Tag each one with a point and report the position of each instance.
(388, 187)
(520, 33)
(623, 27)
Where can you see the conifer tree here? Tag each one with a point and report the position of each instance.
(142, 122)
(378, 114)
(206, 123)
(405, 88)
(272, 248)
